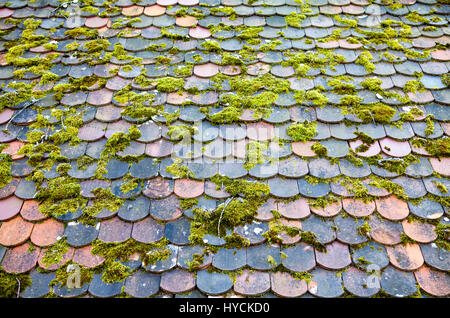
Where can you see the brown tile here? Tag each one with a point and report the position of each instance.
(96, 22)
(114, 230)
(147, 230)
(155, 10)
(260, 131)
(186, 188)
(436, 283)
(100, 97)
(357, 207)
(177, 281)
(13, 148)
(65, 258)
(441, 165)
(186, 22)
(47, 232)
(284, 285)
(374, 149)
(176, 98)
(417, 150)
(329, 210)
(92, 131)
(5, 13)
(84, 257)
(303, 149)
(6, 115)
(405, 257)
(214, 191)
(158, 188)
(30, 211)
(287, 239)
(419, 231)
(384, 231)
(392, 208)
(265, 211)
(132, 11)
(15, 232)
(337, 256)
(118, 126)
(251, 283)
(9, 207)
(258, 69)
(441, 55)
(9, 189)
(230, 70)
(206, 70)
(159, 149)
(421, 97)
(199, 32)
(395, 148)
(20, 259)
(297, 209)
(327, 45)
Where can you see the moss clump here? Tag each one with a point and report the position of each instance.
(211, 46)
(54, 254)
(295, 19)
(365, 59)
(412, 86)
(10, 283)
(235, 240)
(364, 229)
(319, 149)
(181, 132)
(342, 86)
(178, 170)
(169, 84)
(436, 148)
(187, 204)
(311, 239)
(440, 186)
(302, 131)
(5, 168)
(315, 96)
(446, 79)
(115, 272)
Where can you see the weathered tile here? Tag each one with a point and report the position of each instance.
(79, 235)
(398, 283)
(142, 284)
(15, 232)
(433, 282)
(337, 256)
(19, 259)
(99, 288)
(10, 207)
(47, 232)
(177, 281)
(213, 283)
(325, 284)
(252, 283)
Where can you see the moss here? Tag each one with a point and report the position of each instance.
(115, 272)
(295, 19)
(169, 84)
(442, 232)
(364, 229)
(412, 86)
(10, 283)
(178, 170)
(302, 131)
(5, 168)
(319, 149)
(436, 148)
(187, 204)
(445, 78)
(235, 240)
(440, 186)
(54, 253)
(182, 132)
(341, 85)
(365, 59)
(211, 46)
(255, 154)
(416, 17)
(315, 96)
(311, 239)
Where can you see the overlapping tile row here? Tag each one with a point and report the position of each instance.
(399, 254)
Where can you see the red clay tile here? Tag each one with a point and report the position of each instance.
(155, 10)
(249, 115)
(287, 239)
(252, 283)
(297, 209)
(186, 188)
(188, 3)
(258, 69)
(47, 232)
(9, 207)
(186, 22)
(421, 97)
(374, 149)
(6, 115)
(30, 211)
(419, 231)
(384, 232)
(199, 32)
(158, 188)
(65, 258)
(5, 13)
(167, 209)
(118, 126)
(392, 208)
(176, 98)
(230, 70)
(15, 232)
(357, 207)
(147, 230)
(114, 230)
(96, 22)
(337, 256)
(352, 9)
(84, 257)
(214, 191)
(265, 211)
(92, 131)
(13, 148)
(284, 285)
(441, 55)
(132, 11)
(9, 189)
(328, 45)
(419, 151)
(260, 131)
(395, 148)
(405, 257)
(166, 2)
(160, 148)
(436, 283)
(206, 70)
(445, 128)
(423, 42)
(177, 281)
(329, 210)
(100, 97)
(20, 259)
(441, 165)
(303, 149)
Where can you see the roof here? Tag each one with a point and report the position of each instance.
(235, 148)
